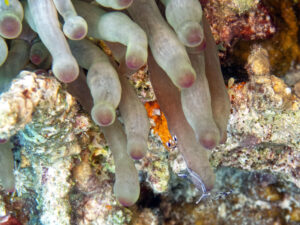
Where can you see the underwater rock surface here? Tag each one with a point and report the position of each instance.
(263, 146)
(264, 128)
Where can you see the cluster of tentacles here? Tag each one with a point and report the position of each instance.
(182, 62)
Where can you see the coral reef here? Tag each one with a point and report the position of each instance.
(47, 141)
(263, 129)
(256, 198)
(275, 28)
(238, 19)
(262, 187)
(193, 70)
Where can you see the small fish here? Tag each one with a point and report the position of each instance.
(172, 143)
(6, 2)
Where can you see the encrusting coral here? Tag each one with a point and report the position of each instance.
(50, 161)
(183, 65)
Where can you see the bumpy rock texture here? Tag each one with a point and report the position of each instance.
(263, 146)
(64, 171)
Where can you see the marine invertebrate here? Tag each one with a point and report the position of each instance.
(4, 51)
(188, 82)
(194, 177)
(11, 19)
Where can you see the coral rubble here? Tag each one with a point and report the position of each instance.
(263, 129)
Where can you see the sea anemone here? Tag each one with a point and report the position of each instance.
(182, 63)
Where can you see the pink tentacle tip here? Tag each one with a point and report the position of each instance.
(186, 80)
(125, 3)
(2, 141)
(79, 33)
(194, 37)
(125, 202)
(134, 63)
(10, 27)
(102, 116)
(67, 76)
(35, 59)
(137, 154)
(208, 143)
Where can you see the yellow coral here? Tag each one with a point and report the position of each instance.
(283, 48)
(295, 214)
